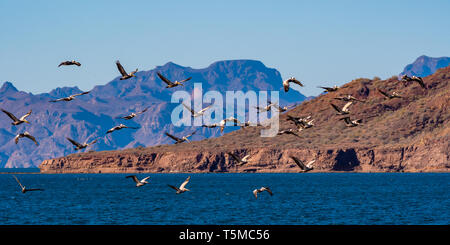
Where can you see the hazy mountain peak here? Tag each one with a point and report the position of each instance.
(424, 66)
(8, 87)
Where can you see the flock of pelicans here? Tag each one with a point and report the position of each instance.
(300, 123)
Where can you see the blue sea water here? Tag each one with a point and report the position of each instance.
(226, 198)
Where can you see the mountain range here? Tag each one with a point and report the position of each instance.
(89, 116)
(424, 66)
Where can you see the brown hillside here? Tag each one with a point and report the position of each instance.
(401, 134)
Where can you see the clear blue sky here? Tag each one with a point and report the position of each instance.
(319, 42)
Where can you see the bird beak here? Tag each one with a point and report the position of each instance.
(26, 121)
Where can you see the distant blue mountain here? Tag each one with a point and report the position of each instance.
(90, 116)
(425, 66)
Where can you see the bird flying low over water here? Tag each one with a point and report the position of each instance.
(15, 120)
(24, 189)
(304, 167)
(171, 84)
(68, 63)
(344, 109)
(180, 140)
(405, 78)
(351, 123)
(256, 191)
(132, 115)
(290, 80)
(139, 183)
(182, 188)
(69, 98)
(240, 161)
(119, 127)
(26, 135)
(389, 96)
(330, 89)
(199, 113)
(124, 74)
(79, 146)
(348, 98)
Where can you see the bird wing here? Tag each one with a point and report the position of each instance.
(245, 158)
(310, 163)
(80, 93)
(189, 109)
(255, 193)
(419, 80)
(296, 82)
(35, 189)
(144, 179)
(346, 120)
(174, 187)
(121, 70)
(62, 63)
(25, 116)
(234, 157)
(10, 115)
(383, 93)
(133, 177)
(185, 182)
(335, 107)
(299, 163)
(92, 142)
(185, 80)
(173, 137)
(31, 137)
(74, 142)
(16, 139)
(345, 108)
(286, 86)
(132, 73)
(269, 190)
(164, 79)
(143, 110)
(204, 109)
(189, 135)
(18, 181)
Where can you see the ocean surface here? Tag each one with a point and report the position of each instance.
(226, 198)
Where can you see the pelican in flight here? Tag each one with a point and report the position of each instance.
(256, 191)
(284, 108)
(289, 131)
(344, 110)
(389, 96)
(351, 123)
(301, 123)
(304, 167)
(182, 188)
(266, 108)
(290, 80)
(248, 123)
(70, 97)
(199, 113)
(121, 126)
(132, 115)
(348, 98)
(26, 135)
(15, 120)
(330, 89)
(171, 84)
(419, 80)
(24, 189)
(240, 161)
(124, 74)
(224, 121)
(68, 63)
(180, 140)
(139, 183)
(79, 146)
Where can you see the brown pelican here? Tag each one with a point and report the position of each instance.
(239, 160)
(248, 123)
(171, 84)
(344, 109)
(419, 80)
(348, 98)
(15, 120)
(290, 80)
(302, 166)
(389, 96)
(284, 108)
(122, 71)
(121, 126)
(70, 97)
(350, 123)
(24, 189)
(182, 188)
(289, 131)
(266, 108)
(79, 146)
(132, 115)
(199, 113)
(139, 183)
(256, 191)
(298, 120)
(305, 125)
(27, 135)
(330, 89)
(224, 121)
(180, 140)
(211, 125)
(68, 63)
